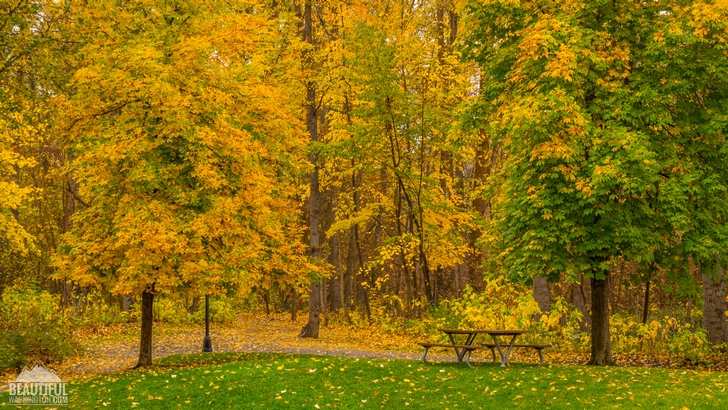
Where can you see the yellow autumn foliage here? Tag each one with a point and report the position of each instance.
(183, 136)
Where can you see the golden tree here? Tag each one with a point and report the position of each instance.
(185, 147)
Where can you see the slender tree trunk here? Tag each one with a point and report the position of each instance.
(689, 313)
(324, 303)
(69, 203)
(266, 301)
(195, 305)
(69, 208)
(542, 294)
(294, 305)
(311, 329)
(125, 303)
(350, 277)
(336, 279)
(601, 347)
(578, 298)
(145, 346)
(714, 294)
(458, 272)
(646, 309)
(359, 279)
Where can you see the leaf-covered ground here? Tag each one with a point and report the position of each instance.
(115, 348)
(248, 380)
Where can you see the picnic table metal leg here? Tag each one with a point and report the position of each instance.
(424, 356)
(467, 358)
(540, 355)
(458, 354)
(500, 352)
(508, 352)
(504, 357)
(492, 351)
(469, 342)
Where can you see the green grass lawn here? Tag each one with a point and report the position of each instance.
(297, 381)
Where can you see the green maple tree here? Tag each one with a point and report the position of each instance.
(570, 90)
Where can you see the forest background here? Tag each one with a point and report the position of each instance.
(558, 167)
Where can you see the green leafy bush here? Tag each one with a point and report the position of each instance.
(503, 305)
(221, 311)
(171, 310)
(34, 327)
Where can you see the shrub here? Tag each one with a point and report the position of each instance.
(34, 327)
(93, 309)
(221, 311)
(172, 310)
(507, 306)
(168, 310)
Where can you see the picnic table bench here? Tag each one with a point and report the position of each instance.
(537, 347)
(466, 350)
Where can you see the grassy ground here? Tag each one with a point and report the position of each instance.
(250, 380)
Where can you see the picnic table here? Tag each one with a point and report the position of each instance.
(464, 349)
(471, 334)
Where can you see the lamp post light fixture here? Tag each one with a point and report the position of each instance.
(207, 343)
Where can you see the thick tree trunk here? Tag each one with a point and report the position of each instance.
(145, 346)
(311, 329)
(542, 294)
(714, 294)
(601, 346)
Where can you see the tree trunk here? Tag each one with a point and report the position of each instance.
(350, 277)
(689, 313)
(125, 303)
(266, 301)
(145, 347)
(336, 288)
(195, 305)
(323, 303)
(69, 208)
(714, 294)
(578, 298)
(69, 203)
(311, 329)
(601, 347)
(646, 309)
(542, 294)
(294, 305)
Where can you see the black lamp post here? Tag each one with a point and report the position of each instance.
(207, 343)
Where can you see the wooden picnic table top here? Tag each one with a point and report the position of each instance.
(490, 332)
